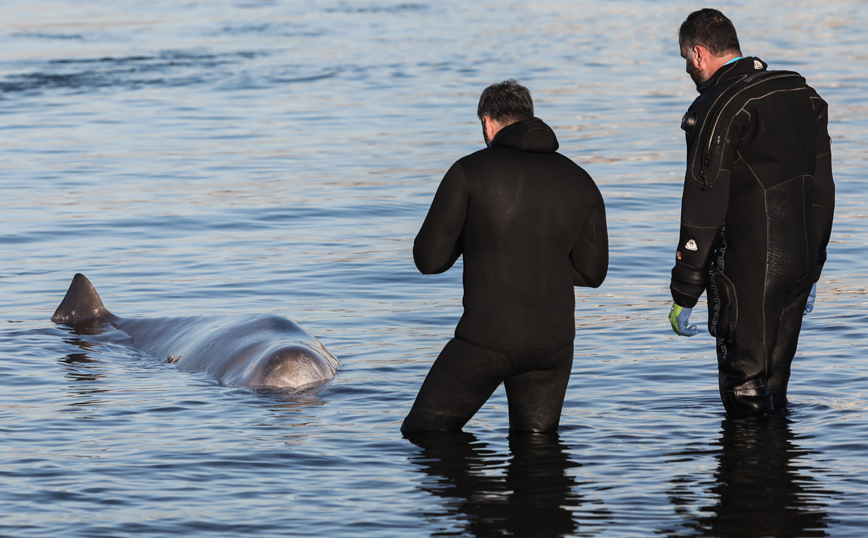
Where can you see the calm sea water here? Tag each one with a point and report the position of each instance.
(279, 156)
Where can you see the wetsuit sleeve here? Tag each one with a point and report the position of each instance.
(590, 253)
(703, 212)
(439, 242)
(824, 186)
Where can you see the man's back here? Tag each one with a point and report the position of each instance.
(532, 226)
(758, 156)
(756, 213)
(772, 185)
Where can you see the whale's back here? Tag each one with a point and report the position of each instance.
(242, 350)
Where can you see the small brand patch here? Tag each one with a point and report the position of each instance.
(691, 245)
(757, 64)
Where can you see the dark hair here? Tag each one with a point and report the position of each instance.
(711, 29)
(505, 102)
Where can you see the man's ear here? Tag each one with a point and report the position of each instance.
(699, 56)
(490, 127)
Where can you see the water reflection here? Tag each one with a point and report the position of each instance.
(78, 367)
(82, 369)
(293, 410)
(762, 486)
(531, 494)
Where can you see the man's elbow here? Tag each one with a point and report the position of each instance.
(424, 263)
(590, 279)
(595, 283)
(429, 268)
(434, 257)
(424, 269)
(429, 264)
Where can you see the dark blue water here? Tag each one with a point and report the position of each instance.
(278, 157)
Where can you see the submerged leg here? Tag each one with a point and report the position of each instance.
(785, 348)
(742, 367)
(536, 397)
(460, 381)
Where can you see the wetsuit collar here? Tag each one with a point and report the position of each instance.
(531, 135)
(738, 67)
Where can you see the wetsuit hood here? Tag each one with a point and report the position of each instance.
(741, 67)
(531, 135)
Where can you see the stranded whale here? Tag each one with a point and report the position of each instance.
(256, 351)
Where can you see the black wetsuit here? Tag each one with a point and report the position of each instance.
(756, 217)
(530, 224)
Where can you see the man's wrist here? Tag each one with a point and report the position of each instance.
(683, 298)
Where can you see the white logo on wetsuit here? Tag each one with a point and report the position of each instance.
(691, 245)
(757, 64)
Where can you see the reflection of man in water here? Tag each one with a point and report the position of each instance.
(531, 225)
(764, 485)
(756, 214)
(534, 494)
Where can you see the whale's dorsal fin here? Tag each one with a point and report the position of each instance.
(80, 303)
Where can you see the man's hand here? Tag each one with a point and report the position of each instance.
(679, 317)
(809, 306)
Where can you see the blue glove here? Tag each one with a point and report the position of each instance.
(679, 317)
(809, 306)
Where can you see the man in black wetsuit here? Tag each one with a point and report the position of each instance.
(530, 224)
(756, 213)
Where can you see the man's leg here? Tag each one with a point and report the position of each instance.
(742, 350)
(785, 348)
(461, 379)
(536, 397)
(742, 382)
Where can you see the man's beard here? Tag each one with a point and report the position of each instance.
(697, 75)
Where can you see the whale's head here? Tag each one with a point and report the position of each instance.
(291, 366)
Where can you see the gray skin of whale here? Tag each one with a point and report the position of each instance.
(255, 351)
